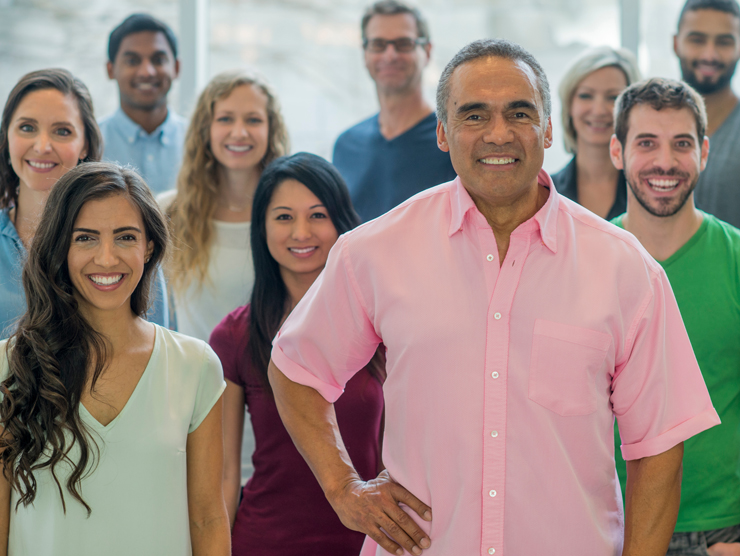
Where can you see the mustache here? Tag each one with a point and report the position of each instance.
(672, 173)
(711, 63)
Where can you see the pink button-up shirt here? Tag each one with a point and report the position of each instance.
(504, 380)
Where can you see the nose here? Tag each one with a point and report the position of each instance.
(146, 68)
(664, 158)
(709, 52)
(301, 229)
(498, 131)
(603, 106)
(42, 144)
(106, 255)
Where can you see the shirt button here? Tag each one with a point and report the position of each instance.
(494, 434)
(492, 551)
(165, 141)
(489, 258)
(131, 139)
(150, 157)
(492, 493)
(497, 316)
(494, 374)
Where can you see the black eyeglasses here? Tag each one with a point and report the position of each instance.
(401, 45)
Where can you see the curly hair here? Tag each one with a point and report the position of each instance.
(64, 82)
(55, 350)
(191, 212)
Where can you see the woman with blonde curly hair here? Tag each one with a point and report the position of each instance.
(235, 131)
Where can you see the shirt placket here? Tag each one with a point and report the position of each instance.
(493, 491)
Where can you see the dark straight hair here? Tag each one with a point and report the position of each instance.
(67, 84)
(55, 350)
(269, 301)
(136, 23)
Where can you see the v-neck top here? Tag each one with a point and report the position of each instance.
(138, 489)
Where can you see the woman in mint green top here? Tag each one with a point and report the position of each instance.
(112, 440)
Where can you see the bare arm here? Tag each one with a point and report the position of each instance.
(209, 522)
(361, 506)
(233, 431)
(652, 497)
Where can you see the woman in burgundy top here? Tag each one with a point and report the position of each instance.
(300, 207)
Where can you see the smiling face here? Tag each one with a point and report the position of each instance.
(107, 255)
(299, 231)
(592, 107)
(661, 158)
(46, 138)
(144, 69)
(395, 72)
(708, 48)
(240, 128)
(496, 132)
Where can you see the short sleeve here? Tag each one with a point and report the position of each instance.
(211, 385)
(658, 393)
(224, 342)
(328, 337)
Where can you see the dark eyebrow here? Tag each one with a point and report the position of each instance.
(521, 104)
(646, 136)
(685, 136)
(697, 34)
(281, 208)
(116, 231)
(317, 206)
(470, 106)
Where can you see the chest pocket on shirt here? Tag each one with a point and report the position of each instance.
(562, 372)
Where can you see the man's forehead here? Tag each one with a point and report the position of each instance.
(667, 122)
(710, 22)
(391, 26)
(145, 42)
(494, 76)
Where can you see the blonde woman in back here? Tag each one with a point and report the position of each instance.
(235, 131)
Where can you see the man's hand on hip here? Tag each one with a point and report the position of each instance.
(372, 508)
(724, 549)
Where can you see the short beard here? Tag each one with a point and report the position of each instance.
(664, 209)
(706, 87)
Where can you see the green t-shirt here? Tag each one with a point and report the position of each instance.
(705, 277)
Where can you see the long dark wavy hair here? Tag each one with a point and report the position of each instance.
(55, 350)
(67, 84)
(270, 300)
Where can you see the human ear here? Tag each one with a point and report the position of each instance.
(616, 153)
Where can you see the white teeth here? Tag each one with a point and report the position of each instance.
(497, 161)
(41, 165)
(145, 86)
(238, 148)
(106, 280)
(663, 185)
(301, 250)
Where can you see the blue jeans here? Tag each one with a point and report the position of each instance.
(696, 543)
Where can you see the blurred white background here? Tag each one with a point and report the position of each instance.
(310, 49)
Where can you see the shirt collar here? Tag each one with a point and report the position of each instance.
(546, 218)
(7, 228)
(133, 131)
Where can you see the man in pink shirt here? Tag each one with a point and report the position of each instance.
(517, 326)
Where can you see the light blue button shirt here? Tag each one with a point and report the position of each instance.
(156, 156)
(13, 299)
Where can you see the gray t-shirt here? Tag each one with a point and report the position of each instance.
(718, 190)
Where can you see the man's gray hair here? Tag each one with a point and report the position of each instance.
(486, 48)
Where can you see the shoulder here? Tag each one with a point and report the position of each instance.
(359, 131)
(165, 199)
(185, 351)
(719, 230)
(176, 121)
(428, 210)
(620, 244)
(233, 327)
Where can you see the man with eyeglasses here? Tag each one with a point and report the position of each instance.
(393, 155)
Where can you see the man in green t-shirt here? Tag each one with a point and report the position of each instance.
(660, 144)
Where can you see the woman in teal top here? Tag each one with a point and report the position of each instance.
(112, 440)
(48, 126)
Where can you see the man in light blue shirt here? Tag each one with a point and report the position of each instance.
(144, 132)
(13, 299)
